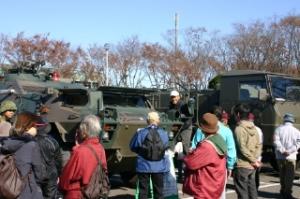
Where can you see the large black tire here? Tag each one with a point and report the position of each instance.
(268, 155)
(273, 162)
(129, 178)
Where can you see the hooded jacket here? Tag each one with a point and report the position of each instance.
(28, 162)
(51, 159)
(247, 144)
(206, 169)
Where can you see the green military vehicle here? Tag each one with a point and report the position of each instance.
(62, 104)
(124, 112)
(270, 96)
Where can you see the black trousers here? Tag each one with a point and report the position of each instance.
(157, 182)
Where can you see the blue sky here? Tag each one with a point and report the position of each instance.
(84, 22)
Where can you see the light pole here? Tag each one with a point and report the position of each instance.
(106, 47)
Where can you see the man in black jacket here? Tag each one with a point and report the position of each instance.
(51, 159)
(184, 112)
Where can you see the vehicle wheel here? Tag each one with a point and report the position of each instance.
(129, 178)
(269, 156)
(273, 162)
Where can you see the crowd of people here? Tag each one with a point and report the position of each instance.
(205, 160)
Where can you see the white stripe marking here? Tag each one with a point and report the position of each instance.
(260, 187)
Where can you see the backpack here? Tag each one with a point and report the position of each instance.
(152, 148)
(11, 181)
(99, 184)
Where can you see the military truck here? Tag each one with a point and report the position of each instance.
(270, 96)
(125, 111)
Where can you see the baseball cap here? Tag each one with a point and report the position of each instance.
(174, 93)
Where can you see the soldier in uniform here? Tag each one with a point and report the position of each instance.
(7, 111)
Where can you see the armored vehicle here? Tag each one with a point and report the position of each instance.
(62, 104)
(270, 96)
(125, 111)
(122, 111)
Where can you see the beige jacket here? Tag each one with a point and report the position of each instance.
(247, 143)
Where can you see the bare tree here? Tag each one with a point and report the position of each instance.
(127, 63)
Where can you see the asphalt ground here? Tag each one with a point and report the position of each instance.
(269, 187)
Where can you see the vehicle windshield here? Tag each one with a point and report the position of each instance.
(284, 88)
(125, 100)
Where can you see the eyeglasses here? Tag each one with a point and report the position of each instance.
(11, 110)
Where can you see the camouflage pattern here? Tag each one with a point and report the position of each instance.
(7, 105)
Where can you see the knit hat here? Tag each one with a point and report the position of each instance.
(209, 123)
(288, 117)
(7, 105)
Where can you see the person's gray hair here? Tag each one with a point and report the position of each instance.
(91, 125)
(153, 117)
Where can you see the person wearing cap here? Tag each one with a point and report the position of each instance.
(51, 158)
(184, 112)
(148, 168)
(227, 135)
(206, 165)
(287, 143)
(7, 111)
(248, 149)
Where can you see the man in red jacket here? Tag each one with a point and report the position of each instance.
(79, 169)
(206, 165)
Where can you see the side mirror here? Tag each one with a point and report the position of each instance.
(263, 94)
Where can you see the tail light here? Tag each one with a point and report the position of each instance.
(55, 76)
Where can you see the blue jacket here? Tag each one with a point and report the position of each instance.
(227, 135)
(146, 166)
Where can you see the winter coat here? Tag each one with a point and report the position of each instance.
(147, 166)
(77, 172)
(247, 144)
(206, 169)
(28, 162)
(227, 135)
(52, 163)
(184, 113)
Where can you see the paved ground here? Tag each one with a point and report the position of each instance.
(269, 187)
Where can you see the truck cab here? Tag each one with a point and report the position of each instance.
(270, 96)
